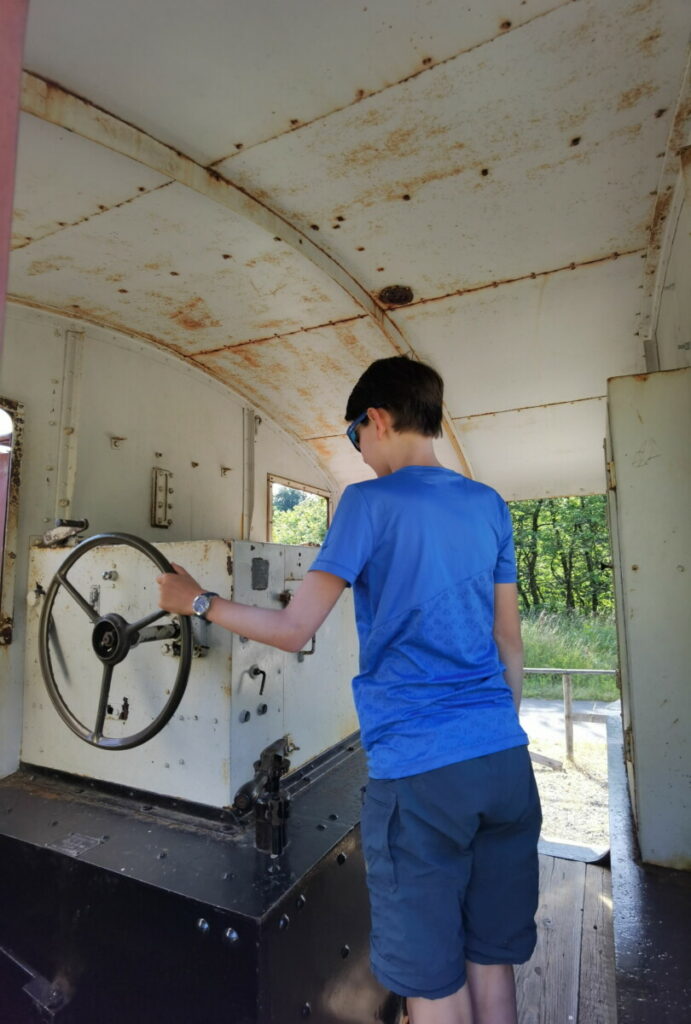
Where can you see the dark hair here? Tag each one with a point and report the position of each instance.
(412, 392)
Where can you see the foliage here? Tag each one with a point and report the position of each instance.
(302, 523)
(285, 498)
(570, 641)
(562, 554)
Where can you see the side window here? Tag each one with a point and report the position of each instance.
(11, 423)
(298, 513)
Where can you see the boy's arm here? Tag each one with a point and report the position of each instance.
(507, 634)
(287, 628)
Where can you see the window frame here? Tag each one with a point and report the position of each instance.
(15, 410)
(272, 478)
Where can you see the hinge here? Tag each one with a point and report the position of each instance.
(611, 476)
(628, 744)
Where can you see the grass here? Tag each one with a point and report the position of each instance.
(570, 641)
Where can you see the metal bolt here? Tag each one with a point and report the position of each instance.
(203, 926)
(342, 858)
(306, 1010)
(345, 951)
(245, 716)
(109, 574)
(262, 709)
(284, 922)
(230, 935)
(300, 901)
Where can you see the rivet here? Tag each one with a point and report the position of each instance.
(300, 901)
(245, 716)
(284, 922)
(230, 935)
(203, 926)
(342, 858)
(333, 817)
(321, 827)
(345, 951)
(306, 1010)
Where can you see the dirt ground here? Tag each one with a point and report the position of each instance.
(574, 799)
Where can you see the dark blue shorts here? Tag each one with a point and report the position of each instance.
(452, 871)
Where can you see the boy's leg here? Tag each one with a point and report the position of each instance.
(492, 993)
(454, 1009)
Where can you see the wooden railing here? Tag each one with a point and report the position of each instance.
(571, 716)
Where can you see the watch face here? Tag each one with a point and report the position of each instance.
(200, 605)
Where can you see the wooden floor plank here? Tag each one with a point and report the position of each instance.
(547, 986)
(597, 998)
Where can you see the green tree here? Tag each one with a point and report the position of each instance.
(304, 523)
(562, 554)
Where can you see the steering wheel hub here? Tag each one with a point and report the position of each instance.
(110, 640)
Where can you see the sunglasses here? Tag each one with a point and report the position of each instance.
(351, 432)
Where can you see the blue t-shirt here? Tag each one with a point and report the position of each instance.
(423, 548)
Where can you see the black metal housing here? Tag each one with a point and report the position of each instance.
(118, 910)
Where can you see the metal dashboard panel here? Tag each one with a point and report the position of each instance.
(207, 751)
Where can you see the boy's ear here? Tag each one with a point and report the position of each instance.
(381, 418)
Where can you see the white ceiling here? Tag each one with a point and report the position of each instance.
(502, 159)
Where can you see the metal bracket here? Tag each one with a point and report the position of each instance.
(305, 654)
(161, 490)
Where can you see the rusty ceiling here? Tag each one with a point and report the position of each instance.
(240, 188)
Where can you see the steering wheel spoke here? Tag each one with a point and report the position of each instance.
(74, 593)
(102, 702)
(135, 627)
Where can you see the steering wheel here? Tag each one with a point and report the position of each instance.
(112, 639)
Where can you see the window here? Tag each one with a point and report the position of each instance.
(298, 513)
(11, 421)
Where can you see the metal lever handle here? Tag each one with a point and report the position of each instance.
(305, 654)
(256, 671)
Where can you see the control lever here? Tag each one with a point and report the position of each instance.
(271, 803)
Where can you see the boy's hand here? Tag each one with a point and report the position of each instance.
(177, 590)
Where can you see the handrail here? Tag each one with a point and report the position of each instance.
(571, 716)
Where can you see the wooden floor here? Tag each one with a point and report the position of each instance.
(570, 977)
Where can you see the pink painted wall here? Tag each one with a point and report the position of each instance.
(12, 26)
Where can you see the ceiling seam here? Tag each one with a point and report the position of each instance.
(523, 277)
(527, 408)
(278, 337)
(97, 213)
(393, 85)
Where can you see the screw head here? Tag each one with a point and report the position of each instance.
(284, 922)
(203, 926)
(245, 716)
(230, 935)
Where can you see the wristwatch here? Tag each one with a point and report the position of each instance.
(200, 605)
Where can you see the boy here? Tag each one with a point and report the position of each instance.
(451, 816)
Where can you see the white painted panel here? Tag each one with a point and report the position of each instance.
(178, 268)
(650, 421)
(63, 179)
(593, 71)
(208, 77)
(538, 453)
(553, 339)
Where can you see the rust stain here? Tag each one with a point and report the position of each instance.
(641, 377)
(660, 212)
(194, 316)
(45, 266)
(647, 45)
(633, 96)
